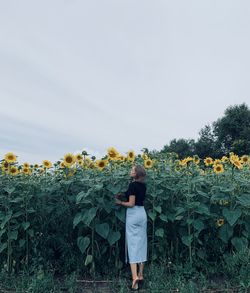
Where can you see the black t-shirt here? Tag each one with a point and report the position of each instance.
(139, 190)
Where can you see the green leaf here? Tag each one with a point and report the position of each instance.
(102, 230)
(187, 240)
(21, 243)
(159, 232)
(113, 237)
(244, 199)
(203, 210)
(163, 217)
(158, 209)
(77, 219)
(239, 243)
(231, 216)
(5, 220)
(3, 246)
(13, 235)
(225, 233)
(89, 215)
(31, 232)
(88, 259)
(83, 243)
(152, 215)
(198, 225)
(121, 215)
(26, 225)
(9, 190)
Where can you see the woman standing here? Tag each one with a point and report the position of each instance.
(136, 224)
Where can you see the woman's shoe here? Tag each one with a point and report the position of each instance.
(135, 285)
(140, 283)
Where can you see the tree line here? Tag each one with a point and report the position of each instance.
(230, 133)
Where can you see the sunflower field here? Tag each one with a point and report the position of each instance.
(63, 215)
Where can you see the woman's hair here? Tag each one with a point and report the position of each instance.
(140, 173)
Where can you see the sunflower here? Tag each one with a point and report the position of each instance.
(78, 157)
(5, 165)
(101, 164)
(233, 158)
(218, 168)
(26, 165)
(196, 159)
(47, 164)
(131, 156)
(216, 162)
(183, 162)
(208, 161)
(62, 165)
(112, 154)
(10, 158)
(148, 163)
(13, 170)
(26, 171)
(244, 159)
(220, 222)
(144, 156)
(224, 159)
(80, 163)
(237, 164)
(36, 166)
(69, 160)
(121, 158)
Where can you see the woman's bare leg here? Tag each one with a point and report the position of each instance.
(141, 267)
(133, 267)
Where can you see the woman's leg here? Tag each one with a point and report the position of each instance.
(133, 267)
(141, 267)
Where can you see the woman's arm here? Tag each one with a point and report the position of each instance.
(129, 203)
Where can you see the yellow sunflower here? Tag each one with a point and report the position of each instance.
(47, 164)
(220, 222)
(144, 156)
(69, 160)
(101, 164)
(244, 159)
(121, 158)
(10, 158)
(62, 165)
(131, 156)
(218, 168)
(208, 161)
(224, 159)
(78, 157)
(196, 160)
(237, 164)
(26, 165)
(216, 162)
(13, 170)
(26, 171)
(148, 163)
(36, 166)
(5, 165)
(112, 154)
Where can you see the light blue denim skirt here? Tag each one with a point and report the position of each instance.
(136, 235)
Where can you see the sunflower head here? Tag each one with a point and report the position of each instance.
(47, 164)
(131, 156)
(218, 168)
(237, 164)
(208, 161)
(13, 170)
(26, 165)
(220, 222)
(196, 160)
(148, 163)
(244, 159)
(112, 154)
(101, 164)
(26, 171)
(224, 159)
(78, 157)
(69, 160)
(10, 157)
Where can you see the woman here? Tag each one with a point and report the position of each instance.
(136, 224)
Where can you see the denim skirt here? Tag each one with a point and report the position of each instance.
(136, 235)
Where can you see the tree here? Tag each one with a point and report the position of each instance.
(206, 143)
(232, 131)
(183, 147)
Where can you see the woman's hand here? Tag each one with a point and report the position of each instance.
(117, 201)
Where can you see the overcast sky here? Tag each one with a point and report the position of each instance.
(91, 74)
